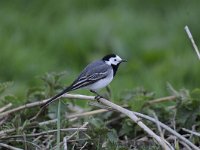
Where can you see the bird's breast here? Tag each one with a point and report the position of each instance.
(101, 83)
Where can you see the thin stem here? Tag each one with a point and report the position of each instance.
(187, 30)
(163, 99)
(58, 125)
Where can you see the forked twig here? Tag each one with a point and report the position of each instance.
(160, 130)
(191, 132)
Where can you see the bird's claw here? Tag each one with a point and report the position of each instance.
(98, 97)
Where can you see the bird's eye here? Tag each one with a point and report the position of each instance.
(115, 59)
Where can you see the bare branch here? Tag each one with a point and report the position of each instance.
(39, 103)
(68, 138)
(45, 133)
(84, 146)
(152, 120)
(9, 147)
(65, 143)
(22, 141)
(83, 126)
(168, 129)
(133, 117)
(87, 113)
(160, 130)
(191, 132)
(163, 99)
(5, 107)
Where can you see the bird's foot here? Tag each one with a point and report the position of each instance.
(98, 97)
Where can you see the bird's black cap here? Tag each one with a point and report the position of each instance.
(107, 57)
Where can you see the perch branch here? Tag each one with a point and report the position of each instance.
(116, 107)
(137, 120)
(39, 103)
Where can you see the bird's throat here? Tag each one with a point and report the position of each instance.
(115, 67)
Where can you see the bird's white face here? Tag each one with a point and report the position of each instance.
(114, 60)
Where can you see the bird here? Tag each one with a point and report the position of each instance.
(94, 76)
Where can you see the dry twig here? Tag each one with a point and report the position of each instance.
(160, 130)
(191, 132)
(84, 146)
(168, 129)
(45, 133)
(9, 147)
(133, 117)
(87, 113)
(68, 138)
(5, 107)
(163, 99)
(39, 103)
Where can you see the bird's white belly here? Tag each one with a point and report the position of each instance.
(101, 83)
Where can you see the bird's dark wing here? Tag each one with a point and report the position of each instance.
(87, 80)
(91, 75)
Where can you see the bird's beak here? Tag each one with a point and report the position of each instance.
(123, 60)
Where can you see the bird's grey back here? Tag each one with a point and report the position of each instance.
(98, 68)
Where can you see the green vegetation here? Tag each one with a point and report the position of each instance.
(39, 37)
(40, 41)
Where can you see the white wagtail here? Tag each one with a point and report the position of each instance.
(95, 76)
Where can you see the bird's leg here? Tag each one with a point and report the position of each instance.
(98, 96)
(109, 91)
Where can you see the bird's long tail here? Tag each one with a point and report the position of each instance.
(54, 98)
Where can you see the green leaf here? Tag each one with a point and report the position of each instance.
(137, 98)
(195, 94)
(112, 136)
(138, 103)
(127, 127)
(188, 113)
(10, 98)
(96, 122)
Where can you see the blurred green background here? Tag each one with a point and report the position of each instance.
(54, 36)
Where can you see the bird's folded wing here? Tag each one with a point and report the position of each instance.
(89, 79)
